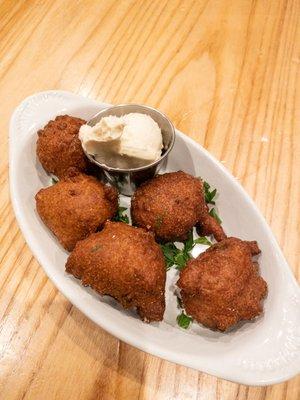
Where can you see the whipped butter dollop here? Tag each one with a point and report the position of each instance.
(130, 141)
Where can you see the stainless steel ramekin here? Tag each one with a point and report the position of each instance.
(127, 180)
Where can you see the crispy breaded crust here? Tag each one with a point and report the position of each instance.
(75, 207)
(123, 262)
(170, 205)
(222, 286)
(59, 148)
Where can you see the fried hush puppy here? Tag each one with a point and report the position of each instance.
(222, 286)
(75, 207)
(59, 148)
(170, 205)
(125, 263)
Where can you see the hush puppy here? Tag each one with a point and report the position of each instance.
(59, 148)
(75, 207)
(126, 263)
(222, 286)
(170, 205)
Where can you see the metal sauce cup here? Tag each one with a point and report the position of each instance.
(127, 180)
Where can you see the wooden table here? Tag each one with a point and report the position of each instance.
(226, 73)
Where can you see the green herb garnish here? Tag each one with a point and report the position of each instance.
(203, 240)
(170, 252)
(179, 257)
(214, 214)
(184, 255)
(208, 193)
(189, 243)
(175, 256)
(184, 320)
(120, 216)
(209, 199)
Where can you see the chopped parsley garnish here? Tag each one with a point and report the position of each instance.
(184, 255)
(170, 252)
(120, 216)
(184, 320)
(209, 199)
(209, 194)
(203, 240)
(189, 243)
(214, 214)
(174, 255)
(179, 257)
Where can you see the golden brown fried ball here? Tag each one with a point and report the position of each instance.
(59, 148)
(126, 263)
(75, 207)
(222, 286)
(170, 205)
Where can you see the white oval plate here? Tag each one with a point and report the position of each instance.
(263, 352)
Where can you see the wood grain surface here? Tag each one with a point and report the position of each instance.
(227, 74)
